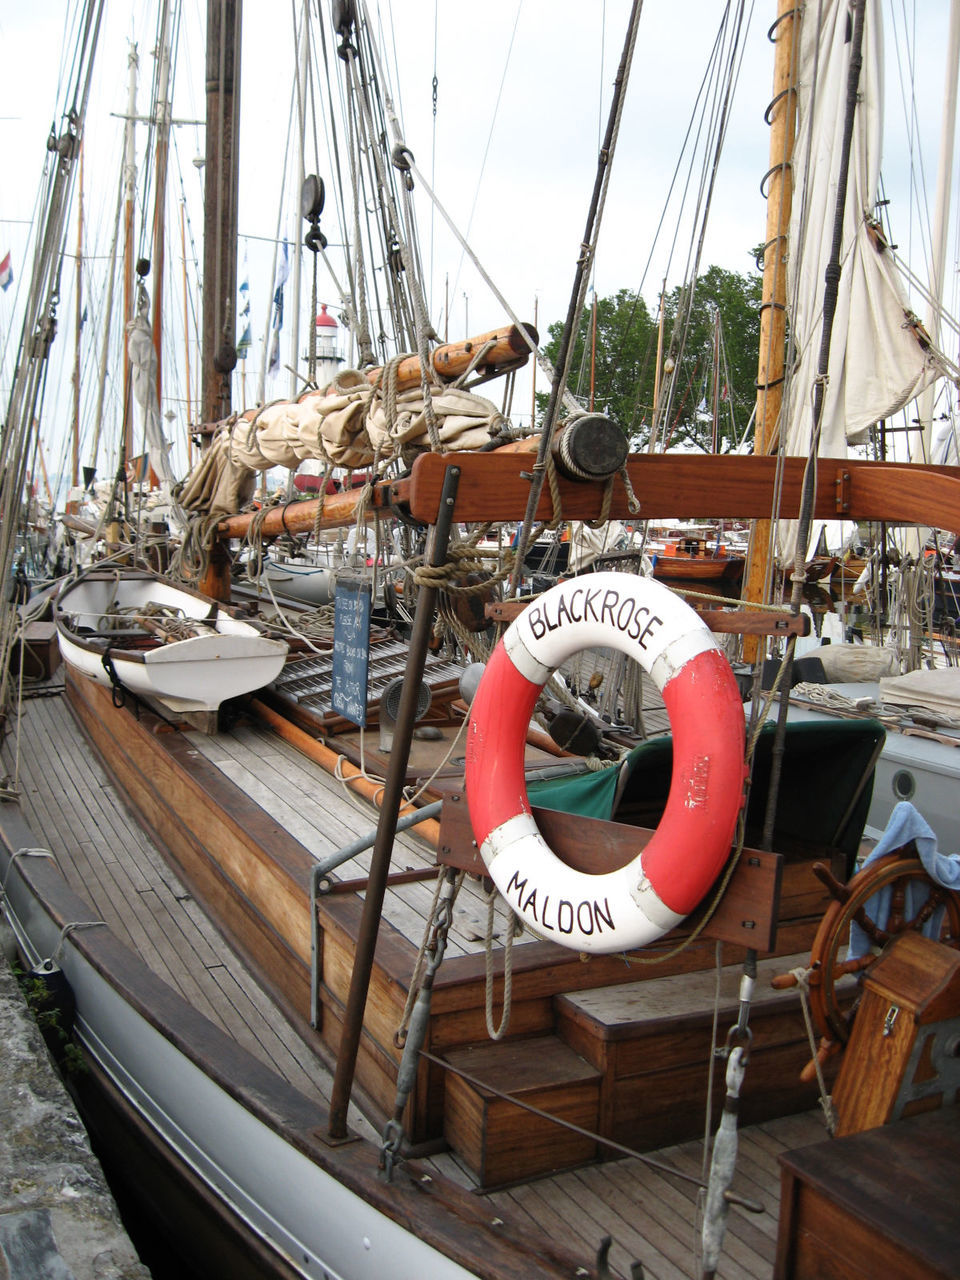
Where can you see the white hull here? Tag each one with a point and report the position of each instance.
(226, 659)
(910, 767)
(274, 1190)
(309, 583)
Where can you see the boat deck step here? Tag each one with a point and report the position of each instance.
(503, 1143)
(653, 1044)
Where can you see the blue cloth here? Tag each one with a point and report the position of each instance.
(906, 824)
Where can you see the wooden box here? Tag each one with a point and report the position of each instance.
(502, 1143)
(41, 651)
(910, 1002)
(875, 1204)
(652, 1041)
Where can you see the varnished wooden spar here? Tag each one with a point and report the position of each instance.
(721, 621)
(676, 486)
(667, 486)
(510, 350)
(593, 445)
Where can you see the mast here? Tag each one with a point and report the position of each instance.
(129, 182)
(186, 331)
(78, 323)
(782, 115)
(160, 193)
(219, 354)
(715, 407)
(920, 447)
(302, 63)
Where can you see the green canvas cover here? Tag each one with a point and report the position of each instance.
(825, 788)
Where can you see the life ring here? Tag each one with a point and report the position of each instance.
(631, 907)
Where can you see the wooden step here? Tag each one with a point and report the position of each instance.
(652, 1042)
(503, 1143)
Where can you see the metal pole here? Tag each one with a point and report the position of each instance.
(387, 826)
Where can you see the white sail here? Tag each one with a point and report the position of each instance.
(143, 362)
(879, 356)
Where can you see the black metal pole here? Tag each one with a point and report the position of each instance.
(387, 826)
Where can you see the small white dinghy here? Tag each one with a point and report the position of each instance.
(133, 628)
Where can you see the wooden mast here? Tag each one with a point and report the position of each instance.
(78, 324)
(782, 115)
(219, 356)
(161, 153)
(186, 332)
(129, 185)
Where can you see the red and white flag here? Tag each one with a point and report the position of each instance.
(6, 273)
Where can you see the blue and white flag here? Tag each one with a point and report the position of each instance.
(244, 341)
(283, 270)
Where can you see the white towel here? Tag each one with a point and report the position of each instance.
(907, 824)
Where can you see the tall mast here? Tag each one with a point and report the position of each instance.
(129, 183)
(78, 324)
(219, 353)
(302, 63)
(782, 115)
(186, 333)
(920, 449)
(160, 191)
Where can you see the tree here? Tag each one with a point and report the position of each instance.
(623, 357)
(621, 354)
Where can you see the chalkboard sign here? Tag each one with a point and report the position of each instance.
(351, 649)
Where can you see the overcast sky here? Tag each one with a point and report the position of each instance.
(523, 88)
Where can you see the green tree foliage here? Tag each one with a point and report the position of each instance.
(623, 357)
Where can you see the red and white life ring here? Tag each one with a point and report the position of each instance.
(630, 907)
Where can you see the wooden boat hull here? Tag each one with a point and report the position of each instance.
(247, 1140)
(697, 568)
(228, 658)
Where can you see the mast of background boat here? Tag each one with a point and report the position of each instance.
(90, 471)
(220, 194)
(78, 325)
(782, 117)
(218, 357)
(716, 382)
(651, 443)
(920, 445)
(186, 333)
(130, 182)
(296, 382)
(162, 152)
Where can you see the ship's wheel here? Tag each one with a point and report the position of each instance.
(833, 1001)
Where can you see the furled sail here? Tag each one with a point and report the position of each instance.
(143, 362)
(351, 424)
(880, 357)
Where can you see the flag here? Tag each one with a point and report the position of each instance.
(6, 273)
(244, 341)
(283, 270)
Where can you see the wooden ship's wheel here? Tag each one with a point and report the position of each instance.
(833, 1003)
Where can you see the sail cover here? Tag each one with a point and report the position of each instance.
(879, 355)
(350, 424)
(143, 363)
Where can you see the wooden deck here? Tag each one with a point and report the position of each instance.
(106, 855)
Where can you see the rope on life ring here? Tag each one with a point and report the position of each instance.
(630, 907)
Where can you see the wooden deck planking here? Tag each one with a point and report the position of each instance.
(650, 1215)
(302, 797)
(130, 885)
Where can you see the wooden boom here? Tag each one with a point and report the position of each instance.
(494, 486)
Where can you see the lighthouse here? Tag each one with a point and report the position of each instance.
(328, 357)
